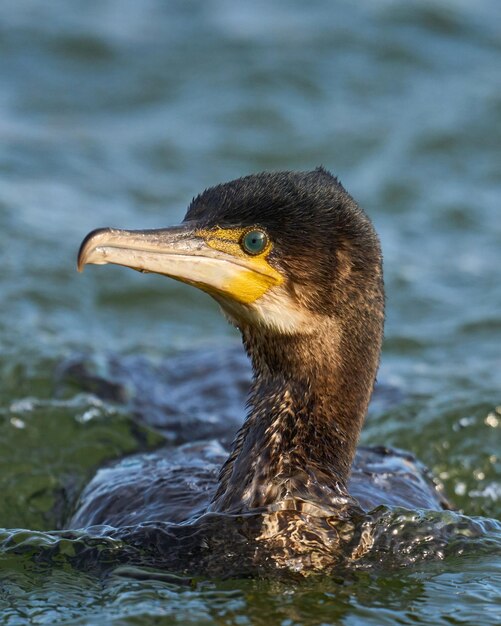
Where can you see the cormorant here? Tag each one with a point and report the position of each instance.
(296, 266)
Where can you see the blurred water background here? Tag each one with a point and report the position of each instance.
(117, 112)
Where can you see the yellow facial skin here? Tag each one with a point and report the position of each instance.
(250, 284)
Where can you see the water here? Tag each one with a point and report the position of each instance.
(117, 113)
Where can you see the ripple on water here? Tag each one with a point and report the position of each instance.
(134, 570)
(117, 113)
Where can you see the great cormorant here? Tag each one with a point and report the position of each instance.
(296, 266)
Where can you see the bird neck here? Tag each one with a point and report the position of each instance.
(307, 403)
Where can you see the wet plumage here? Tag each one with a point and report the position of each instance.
(296, 266)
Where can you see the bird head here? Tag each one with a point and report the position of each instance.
(278, 251)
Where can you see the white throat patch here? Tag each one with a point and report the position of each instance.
(274, 310)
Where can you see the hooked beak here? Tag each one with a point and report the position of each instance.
(182, 254)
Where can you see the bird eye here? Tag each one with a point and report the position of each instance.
(254, 242)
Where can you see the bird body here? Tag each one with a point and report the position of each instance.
(296, 266)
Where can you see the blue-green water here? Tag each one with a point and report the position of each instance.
(117, 113)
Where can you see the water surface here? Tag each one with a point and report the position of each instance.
(117, 113)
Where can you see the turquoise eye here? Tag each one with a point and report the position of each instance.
(254, 242)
